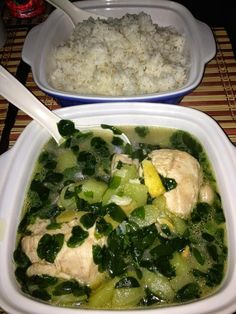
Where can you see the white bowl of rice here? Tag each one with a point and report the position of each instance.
(154, 51)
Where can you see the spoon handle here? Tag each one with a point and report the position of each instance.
(12, 90)
(76, 14)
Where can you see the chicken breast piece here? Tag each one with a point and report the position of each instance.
(206, 194)
(70, 263)
(29, 246)
(78, 262)
(186, 171)
(46, 268)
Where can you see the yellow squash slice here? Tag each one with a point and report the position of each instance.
(152, 179)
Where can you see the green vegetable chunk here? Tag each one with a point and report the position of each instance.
(66, 159)
(20, 258)
(92, 190)
(142, 131)
(101, 298)
(70, 286)
(41, 294)
(114, 129)
(126, 297)
(127, 282)
(43, 281)
(150, 298)
(188, 292)
(88, 220)
(115, 212)
(78, 236)
(66, 127)
(49, 246)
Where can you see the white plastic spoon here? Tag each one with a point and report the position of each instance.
(76, 14)
(22, 98)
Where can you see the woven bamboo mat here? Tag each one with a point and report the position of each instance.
(214, 96)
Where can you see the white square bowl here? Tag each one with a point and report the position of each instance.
(16, 171)
(43, 38)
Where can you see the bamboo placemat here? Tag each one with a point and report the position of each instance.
(214, 96)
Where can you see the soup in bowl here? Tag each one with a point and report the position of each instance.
(111, 225)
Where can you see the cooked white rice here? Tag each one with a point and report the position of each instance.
(120, 57)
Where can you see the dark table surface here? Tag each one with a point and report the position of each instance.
(215, 13)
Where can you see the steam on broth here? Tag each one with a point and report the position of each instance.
(112, 226)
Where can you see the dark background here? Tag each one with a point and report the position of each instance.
(215, 13)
